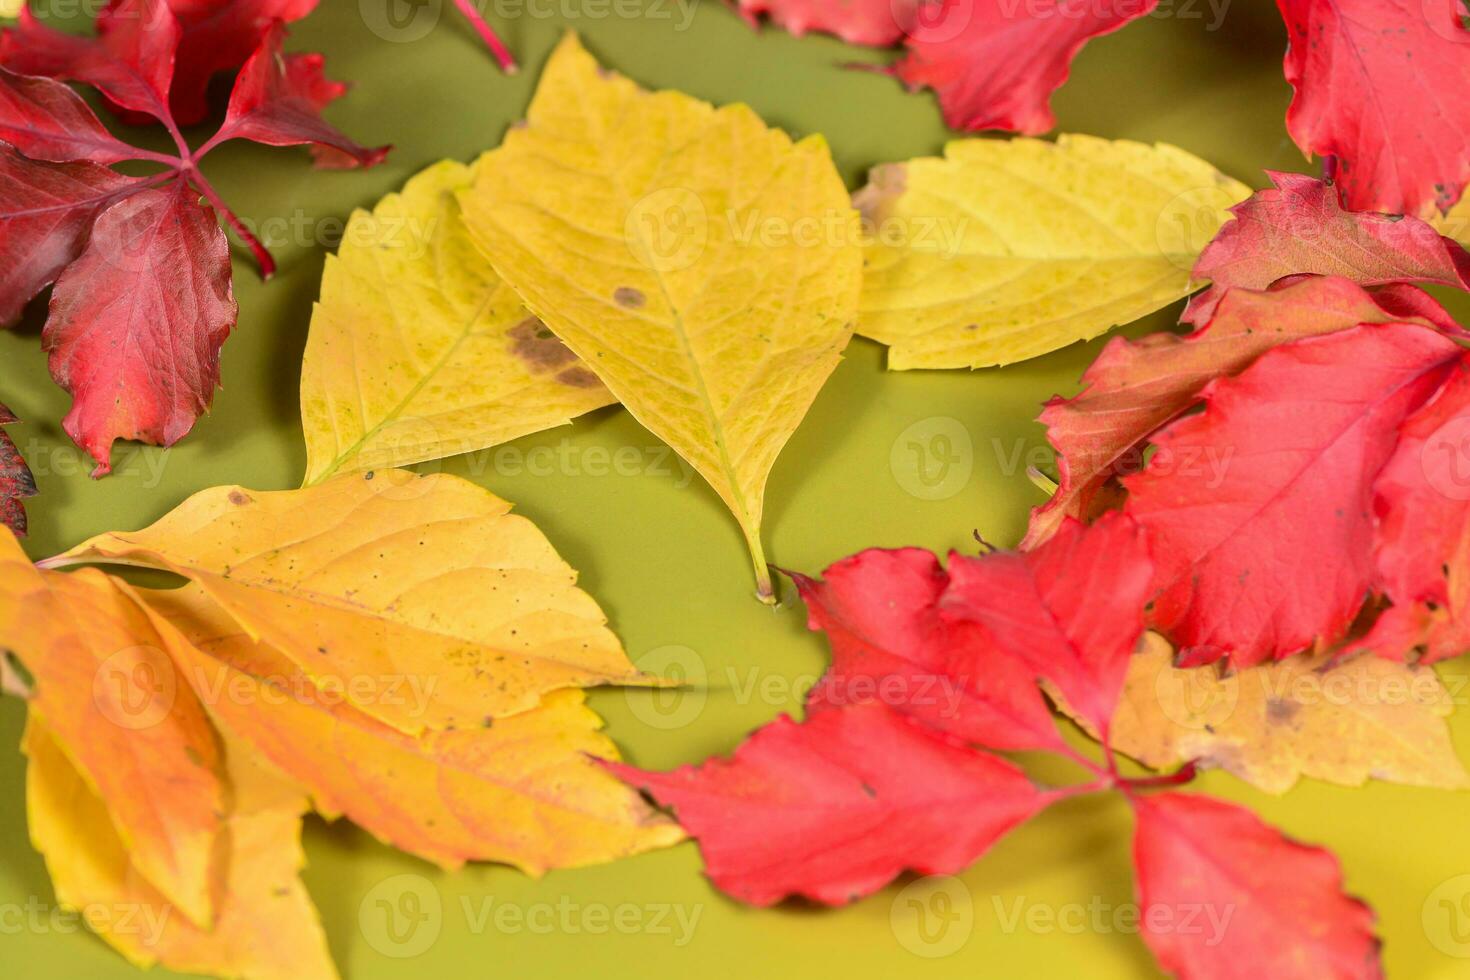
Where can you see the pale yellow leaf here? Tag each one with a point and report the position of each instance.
(1366, 718)
(418, 351)
(1007, 249)
(702, 264)
(523, 790)
(266, 927)
(367, 580)
(1456, 224)
(11, 9)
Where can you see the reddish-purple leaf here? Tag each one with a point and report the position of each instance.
(1223, 896)
(138, 320)
(880, 611)
(16, 481)
(1135, 387)
(1071, 610)
(836, 807)
(1259, 509)
(45, 120)
(131, 61)
(278, 100)
(995, 63)
(1300, 227)
(1383, 86)
(876, 22)
(46, 214)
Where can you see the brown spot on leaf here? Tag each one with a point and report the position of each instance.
(629, 298)
(1279, 712)
(238, 499)
(541, 349)
(579, 377)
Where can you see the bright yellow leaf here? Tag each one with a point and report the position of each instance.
(418, 351)
(1456, 224)
(702, 264)
(11, 9)
(267, 927)
(523, 790)
(1367, 718)
(421, 583)
(104, 680)
(1008, 249)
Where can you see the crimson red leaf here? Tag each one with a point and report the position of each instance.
(876, 22)
(995, 63)
(880, 610)
(138, 320)
(1071, 610)
(1384, 87)
(1223, 896)
(1300, 227)
(131, 61)
(46, 214)
(1259, 508)
(46, 120)
(836, 807)
(16, 481)
(1423, 505)
(278, 100)
(1135, 387)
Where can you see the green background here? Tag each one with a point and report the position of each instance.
(664, 557)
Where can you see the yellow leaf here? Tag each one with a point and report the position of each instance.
(267, 927)
(702, 264)
(1367, 718)
(1008, 249)
(418, 351)
(522, 790)
(1456, 224)
(385, 578)
(104, 679)
(11, 9)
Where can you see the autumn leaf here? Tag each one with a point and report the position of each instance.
(16, 481)
(418, 350)
(1135, 387)
(961, 273)
(835, 808)
(388, 574)
(1341, 722)
(1301, 228)
(267, 927)
(1273, 907)
(98, 665)
(1379, 88)
(1287, 518)
(522, 790)
(875, 22)
(703, 265)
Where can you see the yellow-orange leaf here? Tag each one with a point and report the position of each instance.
(267, 927)
(523, 790)
(388, 578)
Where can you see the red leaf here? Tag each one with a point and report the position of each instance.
(278, 101)
(1071, 610)
(1135, 387)
(995, 63)
(1300, 227)
(16, 481)
(1384, 87)
(46, 120)
(138, 320)
(1259, 509)
(131, 62)
(46, 214)
(880, 610)
(836, 807)
(1223, 896)
(1423, 505)
(876, 22)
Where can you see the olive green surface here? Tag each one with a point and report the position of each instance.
(665, 559)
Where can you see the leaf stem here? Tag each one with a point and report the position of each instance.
(487, 33)
(1185, 774)
(262, 254)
